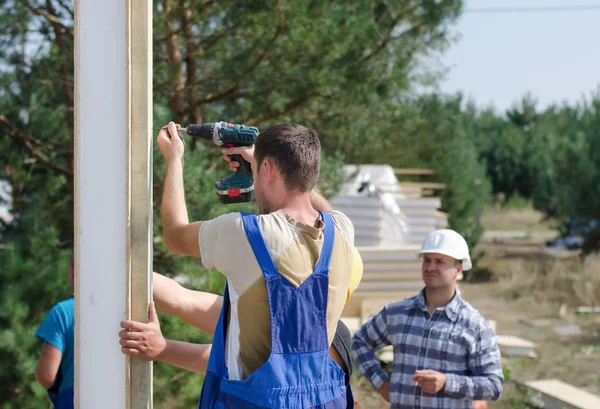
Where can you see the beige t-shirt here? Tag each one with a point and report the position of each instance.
(295, 249)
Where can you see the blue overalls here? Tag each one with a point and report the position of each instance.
(63, 400)
(299, 372)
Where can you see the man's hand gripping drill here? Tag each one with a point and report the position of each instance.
(237, 146)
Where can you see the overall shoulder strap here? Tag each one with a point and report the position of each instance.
(259, 246)
(322, 266)
(216, 369)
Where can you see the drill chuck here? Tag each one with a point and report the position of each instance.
(204, 131)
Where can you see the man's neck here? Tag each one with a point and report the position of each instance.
(298, 206)
(438, 297)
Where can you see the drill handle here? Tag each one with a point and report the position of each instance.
(244, 165)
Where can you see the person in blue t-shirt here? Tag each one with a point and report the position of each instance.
(55, 368)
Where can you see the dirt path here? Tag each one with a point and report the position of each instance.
(482, 296)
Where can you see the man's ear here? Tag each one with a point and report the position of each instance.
(459, 269)
(268, 170)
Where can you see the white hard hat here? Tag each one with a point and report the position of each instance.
(450, 243)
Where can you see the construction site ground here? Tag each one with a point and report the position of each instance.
(530, 292)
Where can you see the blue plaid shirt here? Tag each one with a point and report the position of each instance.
(455, 340)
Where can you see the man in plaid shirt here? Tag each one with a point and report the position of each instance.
(446, 355)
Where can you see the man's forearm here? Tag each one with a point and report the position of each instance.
(319, 203)
(185, 355)
(370, 338)
(474, 387)
(368, 364)
(173, 210)
(167, 294)
(196, 308)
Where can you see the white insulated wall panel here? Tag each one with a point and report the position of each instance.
(101, 120)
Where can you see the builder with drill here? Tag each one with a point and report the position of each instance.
(288, 270)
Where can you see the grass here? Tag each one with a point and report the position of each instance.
(546, 291)
(572, 282)
(517, 202)
(512, 398)
(516, 214)
(528, 281)
(524, 219)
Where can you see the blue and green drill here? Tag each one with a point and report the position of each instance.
(237, 187)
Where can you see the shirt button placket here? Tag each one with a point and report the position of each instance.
(424, 342)
(422, 354)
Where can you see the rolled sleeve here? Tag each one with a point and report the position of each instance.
(369, 339)
(452, 384)
(379, 378)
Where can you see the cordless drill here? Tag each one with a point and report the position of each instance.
(237, 187)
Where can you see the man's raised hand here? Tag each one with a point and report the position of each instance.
(171, 143)
(247, 153)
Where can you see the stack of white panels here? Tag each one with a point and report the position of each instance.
(422, 216)
(373, 225)
(389, 274)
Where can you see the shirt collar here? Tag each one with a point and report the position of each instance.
(451, 309)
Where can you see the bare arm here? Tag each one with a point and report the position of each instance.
(319, 203)
(181, 236)
(193, 357)
(47, 367)
(196, 308)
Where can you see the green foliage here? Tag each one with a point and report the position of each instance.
(29, 281)
(548, 159)
(551, 159)
(170, 381)
(330, 177)
(454, 157)
(517, 202)
(268, 61)
(468, 189)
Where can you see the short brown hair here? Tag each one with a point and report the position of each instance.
(295, 150)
